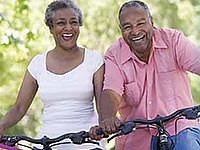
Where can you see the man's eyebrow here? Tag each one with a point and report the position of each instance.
(141, 19)
(124, 24)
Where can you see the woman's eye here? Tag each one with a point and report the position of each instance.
(60, 23)
(74, 22)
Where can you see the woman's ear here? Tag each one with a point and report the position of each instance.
(50, 29)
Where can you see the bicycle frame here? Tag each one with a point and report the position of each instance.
(6, 147)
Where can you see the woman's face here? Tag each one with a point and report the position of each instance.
(65, 28)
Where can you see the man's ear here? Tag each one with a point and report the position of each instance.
(152, 20)
(120, 27)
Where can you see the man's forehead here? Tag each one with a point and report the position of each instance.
(132, 10)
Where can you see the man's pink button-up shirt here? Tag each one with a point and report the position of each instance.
(160, 86)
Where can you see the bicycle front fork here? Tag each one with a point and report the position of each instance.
(163, 143)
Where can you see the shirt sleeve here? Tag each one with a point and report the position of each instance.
(99, 61)
(113, 79)
(188, 55)
(33, 66)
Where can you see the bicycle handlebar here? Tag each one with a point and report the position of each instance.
(188, 113)
(159, 121)
(76, 138)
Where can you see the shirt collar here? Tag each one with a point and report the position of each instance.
(126, 53)
(158, 42)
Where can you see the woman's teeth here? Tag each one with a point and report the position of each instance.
(67, 35)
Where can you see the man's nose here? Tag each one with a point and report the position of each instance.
(134, 30)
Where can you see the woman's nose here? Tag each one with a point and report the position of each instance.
(67, 26)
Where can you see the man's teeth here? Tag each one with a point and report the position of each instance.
(137, 38)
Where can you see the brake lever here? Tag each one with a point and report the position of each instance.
(78, 138)
(100, 132)
(9, 140)
(82, 137)
(81, 140)
(113, 136)
(192, 113)
(125, 128)
(91, 141)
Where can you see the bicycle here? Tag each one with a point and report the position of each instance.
(159, 123)
(9, 142)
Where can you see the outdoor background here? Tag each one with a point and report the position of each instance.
(23, 34)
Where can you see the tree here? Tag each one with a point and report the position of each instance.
(23, 34)
(16, 49)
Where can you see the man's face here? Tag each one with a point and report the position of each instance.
(137, 29)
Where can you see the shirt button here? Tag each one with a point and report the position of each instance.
(150, 102)
(150, 85)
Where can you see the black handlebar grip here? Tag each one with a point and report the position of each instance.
(3, 139)
(100, 132)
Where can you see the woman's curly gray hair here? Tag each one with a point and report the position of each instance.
(59, 4)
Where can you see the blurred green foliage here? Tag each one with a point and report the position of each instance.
(23, 34)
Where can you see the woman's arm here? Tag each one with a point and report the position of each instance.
(98, 85)
(24, 99)
(107, 102)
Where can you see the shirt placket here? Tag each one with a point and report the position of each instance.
(149, 97)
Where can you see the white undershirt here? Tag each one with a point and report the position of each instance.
(68, 98)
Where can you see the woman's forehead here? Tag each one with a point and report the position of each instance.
(64, 12)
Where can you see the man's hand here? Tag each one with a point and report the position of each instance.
(107, 126)
(93, 133)
(110, 125)
(108, 108)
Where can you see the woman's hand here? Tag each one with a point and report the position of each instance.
(2, 129)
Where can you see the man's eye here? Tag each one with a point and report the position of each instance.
(140, 24)
(126, 27)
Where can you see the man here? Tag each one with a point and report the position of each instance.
(145, 75)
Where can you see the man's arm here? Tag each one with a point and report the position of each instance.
(108, 106)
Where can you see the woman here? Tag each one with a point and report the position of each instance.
(67, 79)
